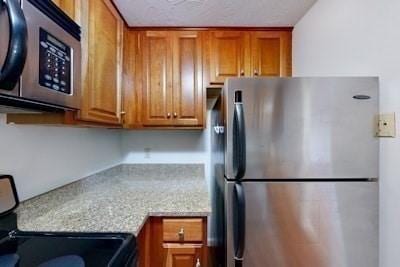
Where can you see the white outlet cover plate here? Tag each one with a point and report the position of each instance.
(386, 125)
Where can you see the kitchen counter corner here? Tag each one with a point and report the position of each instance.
(119, 199)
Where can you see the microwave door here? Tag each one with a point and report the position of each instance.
(13, 46)
(52, 70)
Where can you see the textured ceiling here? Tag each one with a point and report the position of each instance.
(263, 13)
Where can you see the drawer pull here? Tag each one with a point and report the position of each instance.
(181, 234)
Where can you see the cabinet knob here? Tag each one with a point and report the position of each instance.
(168, 115)
(175, 114)
(181, 234)
(122, 112)
(241, 72)
(255, 73)
(198, 263)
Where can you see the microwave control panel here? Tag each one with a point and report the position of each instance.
(55, 63)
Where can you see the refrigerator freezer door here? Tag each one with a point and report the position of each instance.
(296, 128)
(321, 224)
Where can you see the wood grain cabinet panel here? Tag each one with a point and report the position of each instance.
(183, 255)
(102, 62)
(132, 81)
(271, 53)
(183, 230)
(172, 83)
(70, 7)
(158, 245)
(157, 80)
(227, 56)
(188, 80)
(167, 71)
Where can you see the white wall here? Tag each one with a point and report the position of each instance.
(43, 158)
(164, 146)
(180, 147)
(174, 146)
(360, 37)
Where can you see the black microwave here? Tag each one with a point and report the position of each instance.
(40, 57)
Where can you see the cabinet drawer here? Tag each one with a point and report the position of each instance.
(183, 230)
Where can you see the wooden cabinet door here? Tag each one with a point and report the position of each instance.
(156, 48)
(182, 255)
(132, 80)
(271, 53)
(227, 55)
(102, 61)
(187, 79)
(70, 7)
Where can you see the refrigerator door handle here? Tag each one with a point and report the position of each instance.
(17, 50)
(239, 223)
(239, 138)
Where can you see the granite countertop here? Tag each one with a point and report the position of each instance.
(119, 199)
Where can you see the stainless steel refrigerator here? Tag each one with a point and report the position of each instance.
(295, 162)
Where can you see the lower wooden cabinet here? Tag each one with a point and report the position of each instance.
(182, 255)
(173, 242)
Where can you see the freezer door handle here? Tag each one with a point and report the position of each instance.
(239, 138)
(17, 50)
(239, 222)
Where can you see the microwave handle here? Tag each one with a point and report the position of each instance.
(17, 50)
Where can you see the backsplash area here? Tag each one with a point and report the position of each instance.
(164, 147)
(43, 158)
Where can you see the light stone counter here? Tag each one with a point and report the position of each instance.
(119, 199)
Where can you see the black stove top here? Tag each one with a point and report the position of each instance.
(38, 249)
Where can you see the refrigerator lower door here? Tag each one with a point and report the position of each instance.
(304, 224)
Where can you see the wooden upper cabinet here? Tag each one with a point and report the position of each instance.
(247, 53)
(172, 83)
(167, 71)
(102, 62)
(70, 7)
(187, 79)
(132, 80)
(228, 53)
(156, 48)
(271, 53)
